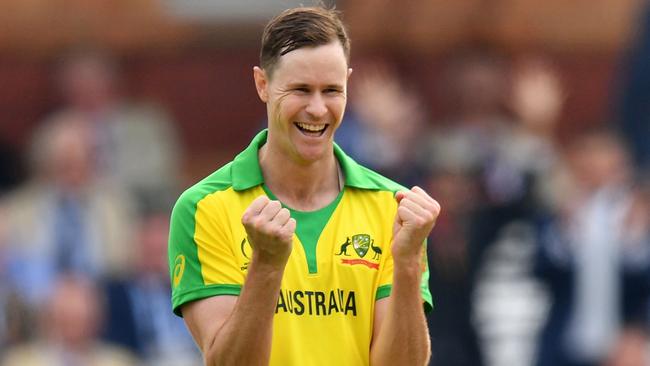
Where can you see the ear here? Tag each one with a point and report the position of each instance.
(349, 72)
(261, 83)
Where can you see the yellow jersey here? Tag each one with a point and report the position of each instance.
(340, 263)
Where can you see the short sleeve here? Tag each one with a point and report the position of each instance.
(201, 260)
(386, 280)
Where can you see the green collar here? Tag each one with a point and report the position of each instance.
(246, 171)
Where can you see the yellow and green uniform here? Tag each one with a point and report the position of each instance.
(340, 264)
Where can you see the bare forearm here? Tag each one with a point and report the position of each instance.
(403, 338)
(250, 326)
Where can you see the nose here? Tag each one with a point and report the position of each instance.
(316, 106)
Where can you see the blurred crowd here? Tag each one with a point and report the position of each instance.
(83, 240)
(541, 255)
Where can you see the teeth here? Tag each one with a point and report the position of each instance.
(312, 128)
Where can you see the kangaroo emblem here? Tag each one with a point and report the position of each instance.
(375, 249)
(344, 247)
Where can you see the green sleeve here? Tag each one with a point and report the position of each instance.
(185, 267)
(385, 290)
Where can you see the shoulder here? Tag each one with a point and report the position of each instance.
(370, 191)
(218, 181)
(378, 182)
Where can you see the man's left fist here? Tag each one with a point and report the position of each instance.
(416, 214)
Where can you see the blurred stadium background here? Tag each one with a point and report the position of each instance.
(528, 120)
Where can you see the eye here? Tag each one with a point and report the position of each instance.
(301, 89)
(331, 91)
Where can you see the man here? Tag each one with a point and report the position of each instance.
(122, 130)
(253, 247)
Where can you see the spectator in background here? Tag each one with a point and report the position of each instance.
(135, 144)
(475, 136)
(489, 163)
(537, 98)
(70, 320)
(594, 256)
(456, 152)
(66, 218)
(138, 308)
(453, 337)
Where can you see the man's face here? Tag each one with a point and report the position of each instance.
(305, 99)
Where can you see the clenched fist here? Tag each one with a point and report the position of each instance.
(416, 214)
(270, 230)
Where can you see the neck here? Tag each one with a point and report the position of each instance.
(302, 186)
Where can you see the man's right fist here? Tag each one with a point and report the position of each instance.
(270, 230)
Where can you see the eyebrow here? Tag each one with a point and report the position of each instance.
(305, 85)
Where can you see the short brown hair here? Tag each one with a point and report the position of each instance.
(301, 27)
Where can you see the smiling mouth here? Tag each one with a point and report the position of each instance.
(310, 129)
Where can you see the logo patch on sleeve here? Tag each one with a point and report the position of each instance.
(179, 269)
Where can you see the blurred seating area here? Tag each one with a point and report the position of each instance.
(527, 120)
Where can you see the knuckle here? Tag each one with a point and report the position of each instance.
(286, 235)
(275, 232)
(257, 224)
(249, 221)
(282, 216)
(436, 206)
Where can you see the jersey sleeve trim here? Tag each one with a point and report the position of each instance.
(385, 290)
(184, 297)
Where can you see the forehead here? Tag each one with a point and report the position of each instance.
(320, 64)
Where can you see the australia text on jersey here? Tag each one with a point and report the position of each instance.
(319, 303)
